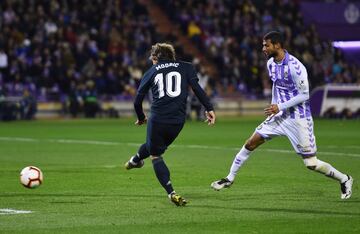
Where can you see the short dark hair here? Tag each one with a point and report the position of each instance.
(275, 37)
(163, 51)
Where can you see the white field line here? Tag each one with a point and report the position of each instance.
(207, 147)
(18, 139)
(348, 146)
(320, 152)
(65, 141)
(12, 211)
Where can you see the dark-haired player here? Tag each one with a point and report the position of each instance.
(169, 81)
(288, 115)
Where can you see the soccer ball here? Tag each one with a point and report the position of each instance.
(31, 177)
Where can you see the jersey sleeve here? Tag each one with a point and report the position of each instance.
(274, 98)
(300, 78)
(191, 73)
(269, 66)
(145, 83)
(199, 92)
(143, 89)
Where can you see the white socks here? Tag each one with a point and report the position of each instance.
(320, 166)
(239, 160)
(330, 171)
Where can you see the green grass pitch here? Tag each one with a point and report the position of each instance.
(87, 190)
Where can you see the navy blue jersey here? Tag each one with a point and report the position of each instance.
(169, 82)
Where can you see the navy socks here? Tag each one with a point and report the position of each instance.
(161, 170)
(163, 174)
(143, 153)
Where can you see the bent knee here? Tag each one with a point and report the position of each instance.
(253, 142)
(311, 167)
(311, 163)
(153, 157)
(250, 146)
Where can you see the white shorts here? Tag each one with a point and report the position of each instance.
(300, 132)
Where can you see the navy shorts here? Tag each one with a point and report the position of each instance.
(160, 136)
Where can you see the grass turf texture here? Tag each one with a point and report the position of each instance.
(87, 190)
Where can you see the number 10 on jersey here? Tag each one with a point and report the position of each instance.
(169, 78)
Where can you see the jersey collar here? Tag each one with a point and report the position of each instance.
(285, 60)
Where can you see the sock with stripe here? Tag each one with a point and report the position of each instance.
(163, 174)
(239, 160)
(330, 171)
(142, 153)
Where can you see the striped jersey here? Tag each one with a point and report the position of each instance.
(290, 89)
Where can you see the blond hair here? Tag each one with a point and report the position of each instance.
(162, 51)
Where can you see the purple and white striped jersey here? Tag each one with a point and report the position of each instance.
(290, 90)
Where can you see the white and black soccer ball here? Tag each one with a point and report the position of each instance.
(31, 177)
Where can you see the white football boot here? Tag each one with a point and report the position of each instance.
(130, 164)
(346, 188)
(220, 184)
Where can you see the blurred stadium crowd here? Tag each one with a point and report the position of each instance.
(69, 47)
(78, 51)
(231, 34)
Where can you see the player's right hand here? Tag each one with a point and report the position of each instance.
(210, 117)
(273, 109)
(141, 122)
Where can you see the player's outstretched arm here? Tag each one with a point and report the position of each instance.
(210, 117)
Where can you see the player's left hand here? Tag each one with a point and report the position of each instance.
(210, 117)
(141, 122)
(273, 109)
